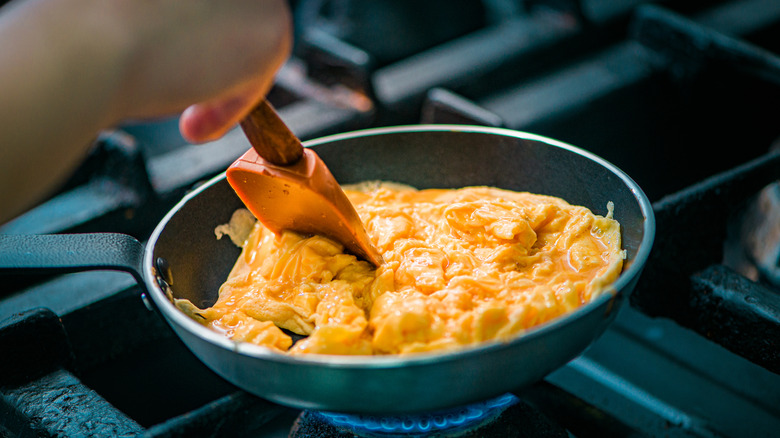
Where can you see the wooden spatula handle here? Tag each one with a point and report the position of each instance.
(270, 137)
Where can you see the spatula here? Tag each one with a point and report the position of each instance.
(288, 187)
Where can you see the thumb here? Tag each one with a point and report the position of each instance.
(210, 120)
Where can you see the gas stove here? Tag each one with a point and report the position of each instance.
(680, 97)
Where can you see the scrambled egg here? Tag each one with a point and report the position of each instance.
(463, 266)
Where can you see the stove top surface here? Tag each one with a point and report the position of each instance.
(656, 88)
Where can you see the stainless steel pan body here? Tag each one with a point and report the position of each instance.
(183, 258)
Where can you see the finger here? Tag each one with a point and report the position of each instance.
(204, 122)
(210, 120)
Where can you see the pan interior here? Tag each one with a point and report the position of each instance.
(199, 263)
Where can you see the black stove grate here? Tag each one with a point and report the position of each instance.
(675, 95)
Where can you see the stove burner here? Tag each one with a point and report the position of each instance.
(506, 416)
(761, 234)
(450, 420)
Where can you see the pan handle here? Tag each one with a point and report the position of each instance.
(64, 253)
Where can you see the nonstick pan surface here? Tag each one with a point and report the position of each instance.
(184, 251)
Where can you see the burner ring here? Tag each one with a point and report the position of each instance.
(463, 417)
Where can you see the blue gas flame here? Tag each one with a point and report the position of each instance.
(464, 417)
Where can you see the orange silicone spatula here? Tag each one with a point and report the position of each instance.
(288, 187)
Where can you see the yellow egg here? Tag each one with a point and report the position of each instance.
(463, 266)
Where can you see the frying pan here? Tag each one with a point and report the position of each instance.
(184, 259)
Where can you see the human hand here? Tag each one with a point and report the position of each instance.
(217, 59)
(74, 67)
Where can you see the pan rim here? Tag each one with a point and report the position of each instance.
(418, 359)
